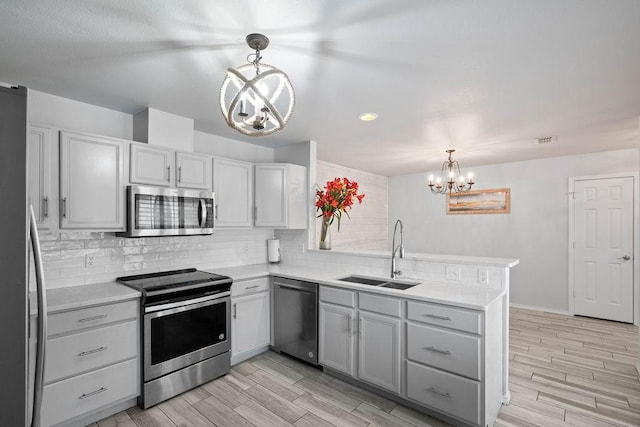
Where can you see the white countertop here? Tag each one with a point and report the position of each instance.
(63, 299)
(449, 259)
(468, 296)
(473, 297)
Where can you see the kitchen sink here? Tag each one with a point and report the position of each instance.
(383, 283)
(363, 280)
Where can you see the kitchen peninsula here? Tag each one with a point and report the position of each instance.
(451, 329)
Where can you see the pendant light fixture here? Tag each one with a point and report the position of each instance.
(256, 99)
(450, 179)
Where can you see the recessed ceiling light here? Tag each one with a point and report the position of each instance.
(367, 117)
(546, 140)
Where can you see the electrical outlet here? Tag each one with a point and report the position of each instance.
(483, 276)
(301, 248)
(90, 261)
(244, 248)
(452, 272)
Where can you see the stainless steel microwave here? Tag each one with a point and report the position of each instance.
(158, 211)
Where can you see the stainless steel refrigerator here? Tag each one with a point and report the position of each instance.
(21, 392)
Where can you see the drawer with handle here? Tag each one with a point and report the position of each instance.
(337, 296)
(442, 315)
(82, 394)
(448, 350)
(243, 287)
(84, 351)
(74, 320)
(445, 392)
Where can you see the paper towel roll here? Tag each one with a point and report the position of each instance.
(273, 250)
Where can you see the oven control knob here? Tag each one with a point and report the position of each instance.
(311, 355)
(221, 336)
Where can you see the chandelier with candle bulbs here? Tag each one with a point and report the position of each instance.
(450, 179)
(256, 99)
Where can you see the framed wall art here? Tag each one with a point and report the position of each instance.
(494, 201)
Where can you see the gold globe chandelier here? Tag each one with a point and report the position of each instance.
(450, 179)
(256, 99)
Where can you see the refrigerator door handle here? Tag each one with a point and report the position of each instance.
(42, 320)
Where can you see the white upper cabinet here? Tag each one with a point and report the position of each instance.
(151, 165)
(233, 187)
(281, 195)
(92, 182)
(167, 168)
(41, 165)
(193, 171)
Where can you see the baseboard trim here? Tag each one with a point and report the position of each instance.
(536, 308)
(248, 354)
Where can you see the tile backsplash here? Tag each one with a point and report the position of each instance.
(78, 258)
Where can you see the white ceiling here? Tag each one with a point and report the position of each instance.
(484, 77)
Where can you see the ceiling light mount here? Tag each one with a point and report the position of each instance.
(256, 104)
(450, 179)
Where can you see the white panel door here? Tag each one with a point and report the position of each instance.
(194, 171)
(39, 157)
(249, 322)
(151, 165)
(91, 182)
(336, 346)
(271, 196)
(233, 187)
(379, 350)
(603, 263)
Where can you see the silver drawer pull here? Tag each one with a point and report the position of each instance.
(252, 287)
(435, 316)
(438, 392)
(437, 350)
(349, 323)
(95, 350)
(93, 393)
(92, 318)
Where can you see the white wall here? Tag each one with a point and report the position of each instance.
(366, 225)
(536, 230)
(68, 114)
(215, 145)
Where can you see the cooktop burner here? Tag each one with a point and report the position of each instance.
(175, 280)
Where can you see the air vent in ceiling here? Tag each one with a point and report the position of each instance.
(546, 140)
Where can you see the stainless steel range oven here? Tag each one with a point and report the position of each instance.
(186, 325)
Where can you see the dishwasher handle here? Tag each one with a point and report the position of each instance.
(293, 288)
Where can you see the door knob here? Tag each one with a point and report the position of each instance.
(625, 257)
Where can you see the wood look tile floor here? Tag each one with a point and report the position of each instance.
(564, 371)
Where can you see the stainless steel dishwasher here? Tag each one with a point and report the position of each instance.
(295, 318)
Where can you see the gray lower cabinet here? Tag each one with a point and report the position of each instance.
(91, 363)
(446, 359)
(336, 343)
(374, 336)
(379, 350)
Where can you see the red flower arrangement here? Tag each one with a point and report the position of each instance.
(335, 199)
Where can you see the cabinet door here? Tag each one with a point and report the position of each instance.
(271, 195)
(250, 325)
(151, 165)
(40, 162)
(91, 182)
(336, 343)
(379, 350)
(233, 187)
(194, 171)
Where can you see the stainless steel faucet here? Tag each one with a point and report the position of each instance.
(399, 250)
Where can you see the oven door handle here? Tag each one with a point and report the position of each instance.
(186, 303)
